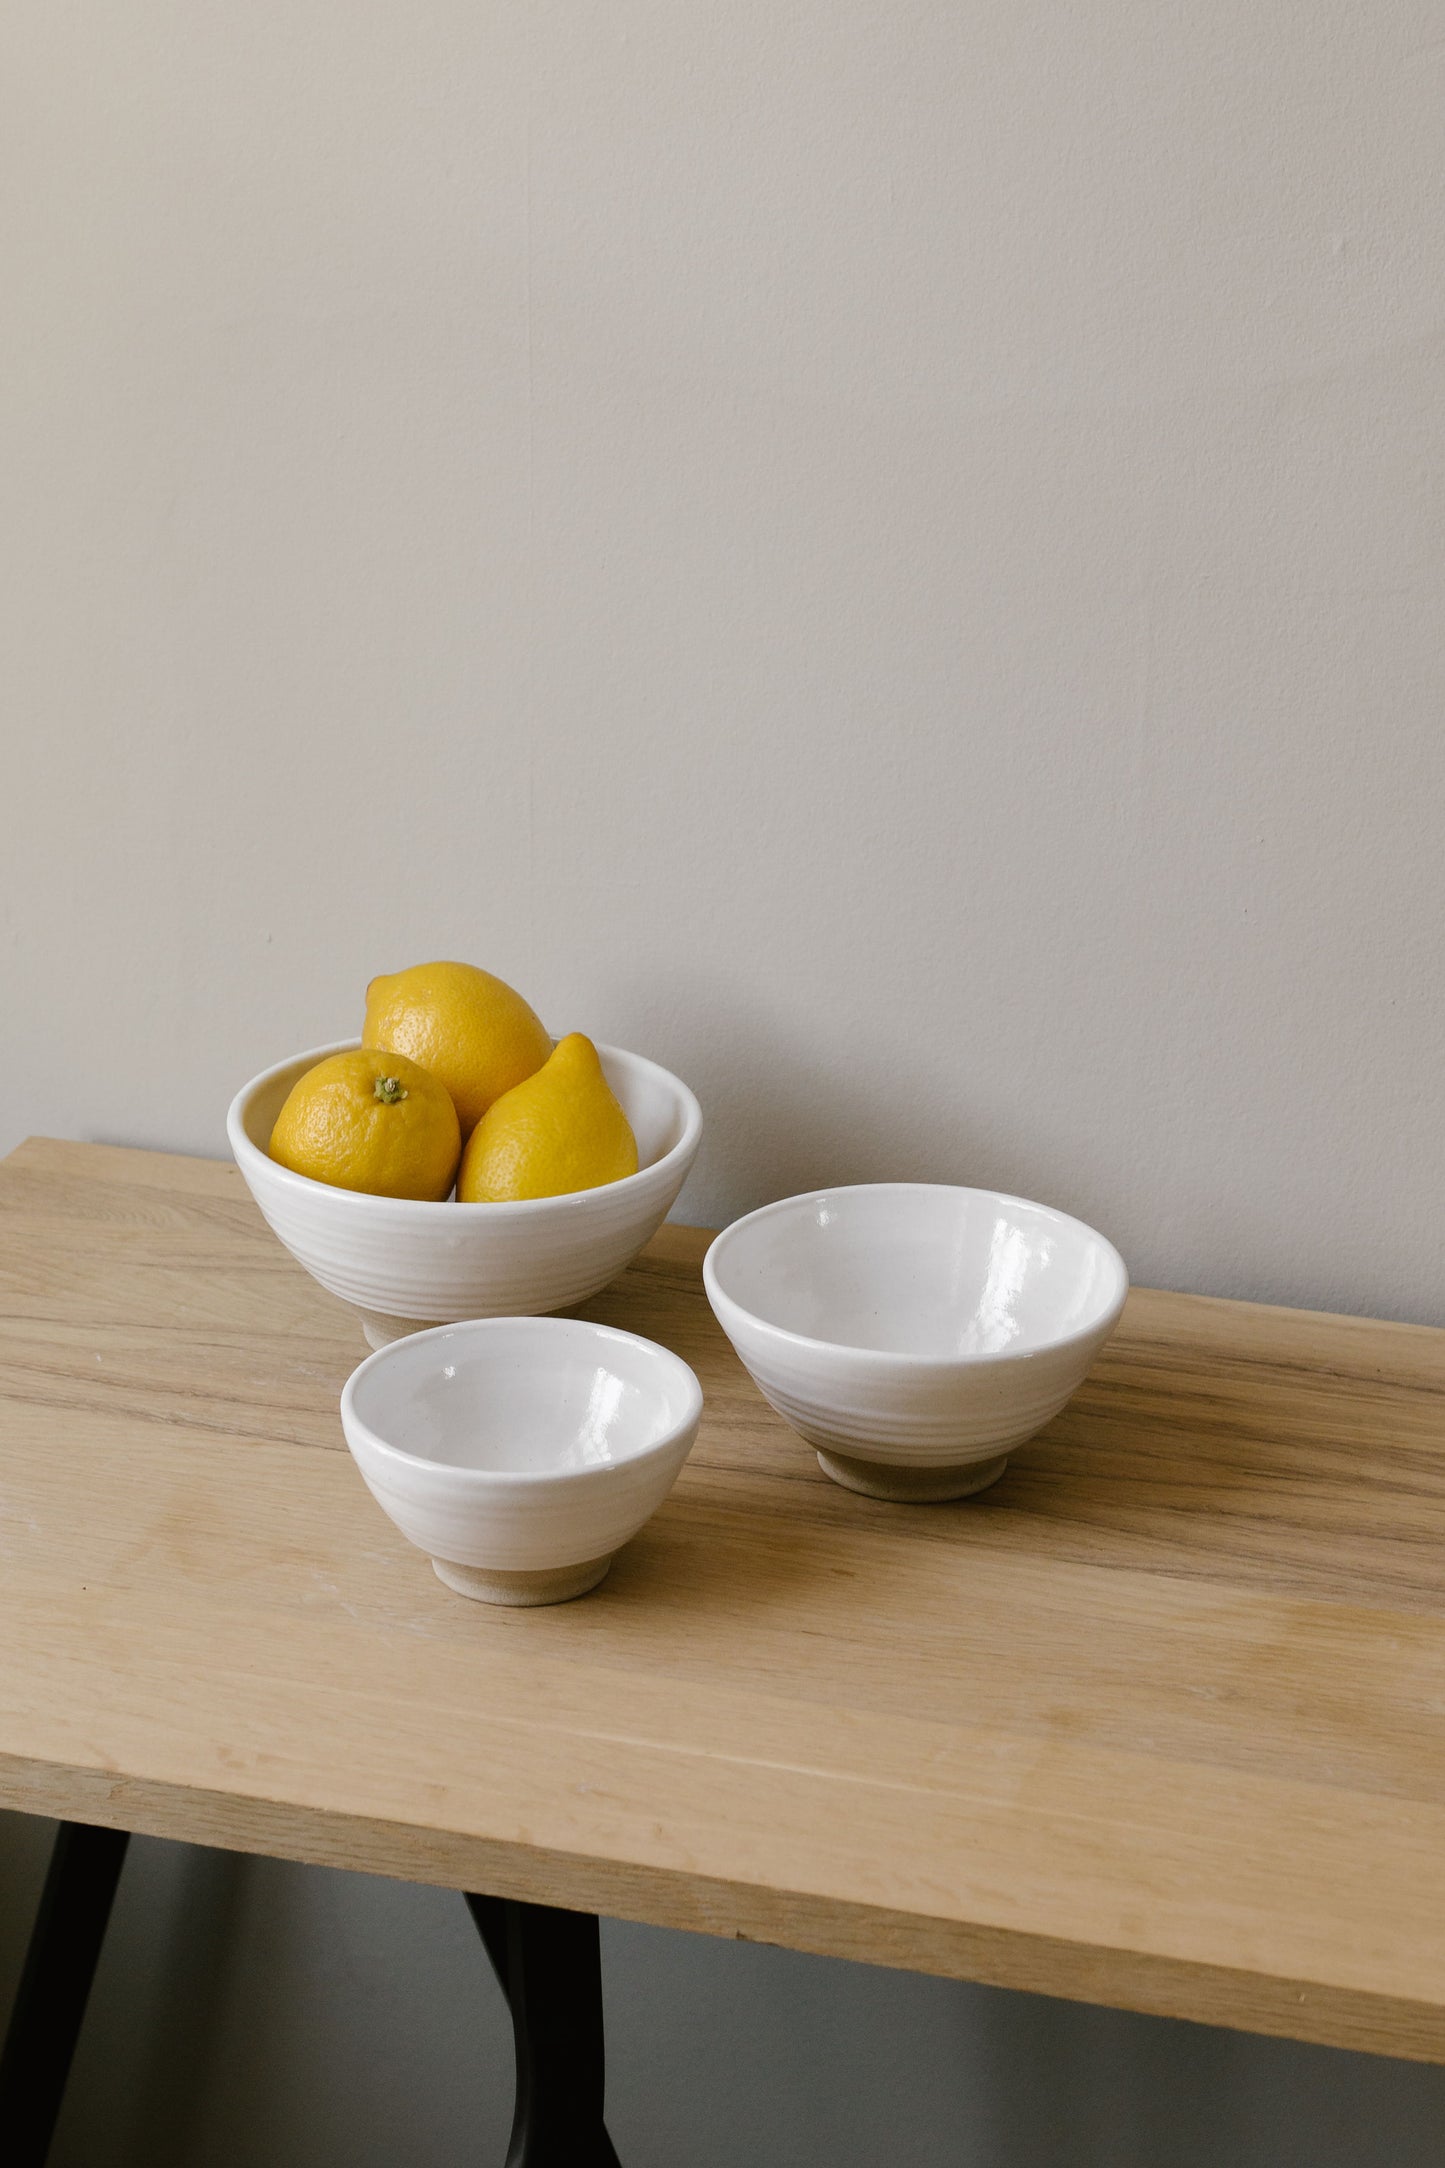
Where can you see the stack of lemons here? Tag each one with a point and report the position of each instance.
(455, 1083)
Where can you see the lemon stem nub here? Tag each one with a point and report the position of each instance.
(389, 1089)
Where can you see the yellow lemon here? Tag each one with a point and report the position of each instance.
(372, 1121)
(468, 1028)
(560, 1130)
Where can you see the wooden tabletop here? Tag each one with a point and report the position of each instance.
(1159, 1722)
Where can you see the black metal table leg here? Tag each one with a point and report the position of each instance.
(490, 1915)
(55, 1986)
(549, 1964)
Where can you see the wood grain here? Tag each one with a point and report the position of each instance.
(1159, 1722)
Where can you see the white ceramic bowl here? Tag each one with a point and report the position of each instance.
(520, 1453)
(405, 1265)
(914, 1334)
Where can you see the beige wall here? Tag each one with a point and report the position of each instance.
(887, 555)
(890, 557)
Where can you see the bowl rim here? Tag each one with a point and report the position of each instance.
(511, 1477)
(894, 1358)
(249, 1155)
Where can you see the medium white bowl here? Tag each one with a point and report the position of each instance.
(914, 1334)
(520, 1453)
(405, 1265)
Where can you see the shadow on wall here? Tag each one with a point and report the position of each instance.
(25, 1843)
(251, 2014)
(721, 2053)
(782, 1115)
(149, 2041)
(149, 2032)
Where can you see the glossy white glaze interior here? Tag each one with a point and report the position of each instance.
(915, 1269)
(523, 1400)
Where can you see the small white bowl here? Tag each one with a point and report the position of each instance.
(913, 1333)
(520, 1453)
(405, 1264)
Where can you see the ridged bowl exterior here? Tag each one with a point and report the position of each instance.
(946, 1418)
(530, 1527)
(900, 1410)
(439, 1263)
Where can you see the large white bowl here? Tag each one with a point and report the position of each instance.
(914, 1334)
(520, 1453)
(405, 1265)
